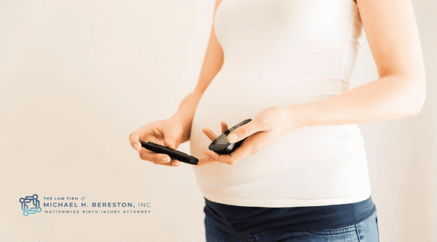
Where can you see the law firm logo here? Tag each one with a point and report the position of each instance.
(26, 210)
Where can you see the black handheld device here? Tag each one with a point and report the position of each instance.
(174, 154)
(221, 144)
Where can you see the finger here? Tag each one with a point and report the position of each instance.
(209, 133)
(224, 158)
(205, 161)
(170, 142)
(238, 154)
(158, 158)
(134, 139)
(173, 162)
(245, 131)
(140, 134)
(151, 139)
(154, 157)
(224, 126)
(156, 140)
(244, 150)
(170, 134)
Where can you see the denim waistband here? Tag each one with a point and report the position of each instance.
(255, 219)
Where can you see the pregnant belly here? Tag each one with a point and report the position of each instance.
(237, 93)
(232, 98)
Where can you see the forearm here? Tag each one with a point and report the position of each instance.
(387, 98)
(186, 111)
(212, 63)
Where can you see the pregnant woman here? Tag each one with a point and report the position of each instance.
(301, 174)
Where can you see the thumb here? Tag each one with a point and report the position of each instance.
(169, 141)
(244, 131)
(171, 134)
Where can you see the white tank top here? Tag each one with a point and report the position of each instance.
(284, 52)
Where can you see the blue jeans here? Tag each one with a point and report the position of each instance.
(365, 231)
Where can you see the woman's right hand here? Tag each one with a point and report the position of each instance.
(166, 132)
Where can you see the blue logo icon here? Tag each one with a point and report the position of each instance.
(28, 199)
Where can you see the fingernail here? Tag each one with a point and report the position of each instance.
(166, 159)
(171, 143)
(233, 137)
(137, 147)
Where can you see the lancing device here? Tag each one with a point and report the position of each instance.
(174, 154)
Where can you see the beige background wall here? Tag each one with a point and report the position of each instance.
(76, 77)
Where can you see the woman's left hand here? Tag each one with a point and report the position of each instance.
(263, 130)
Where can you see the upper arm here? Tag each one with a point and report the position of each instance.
(213, 59)
(393, 38)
